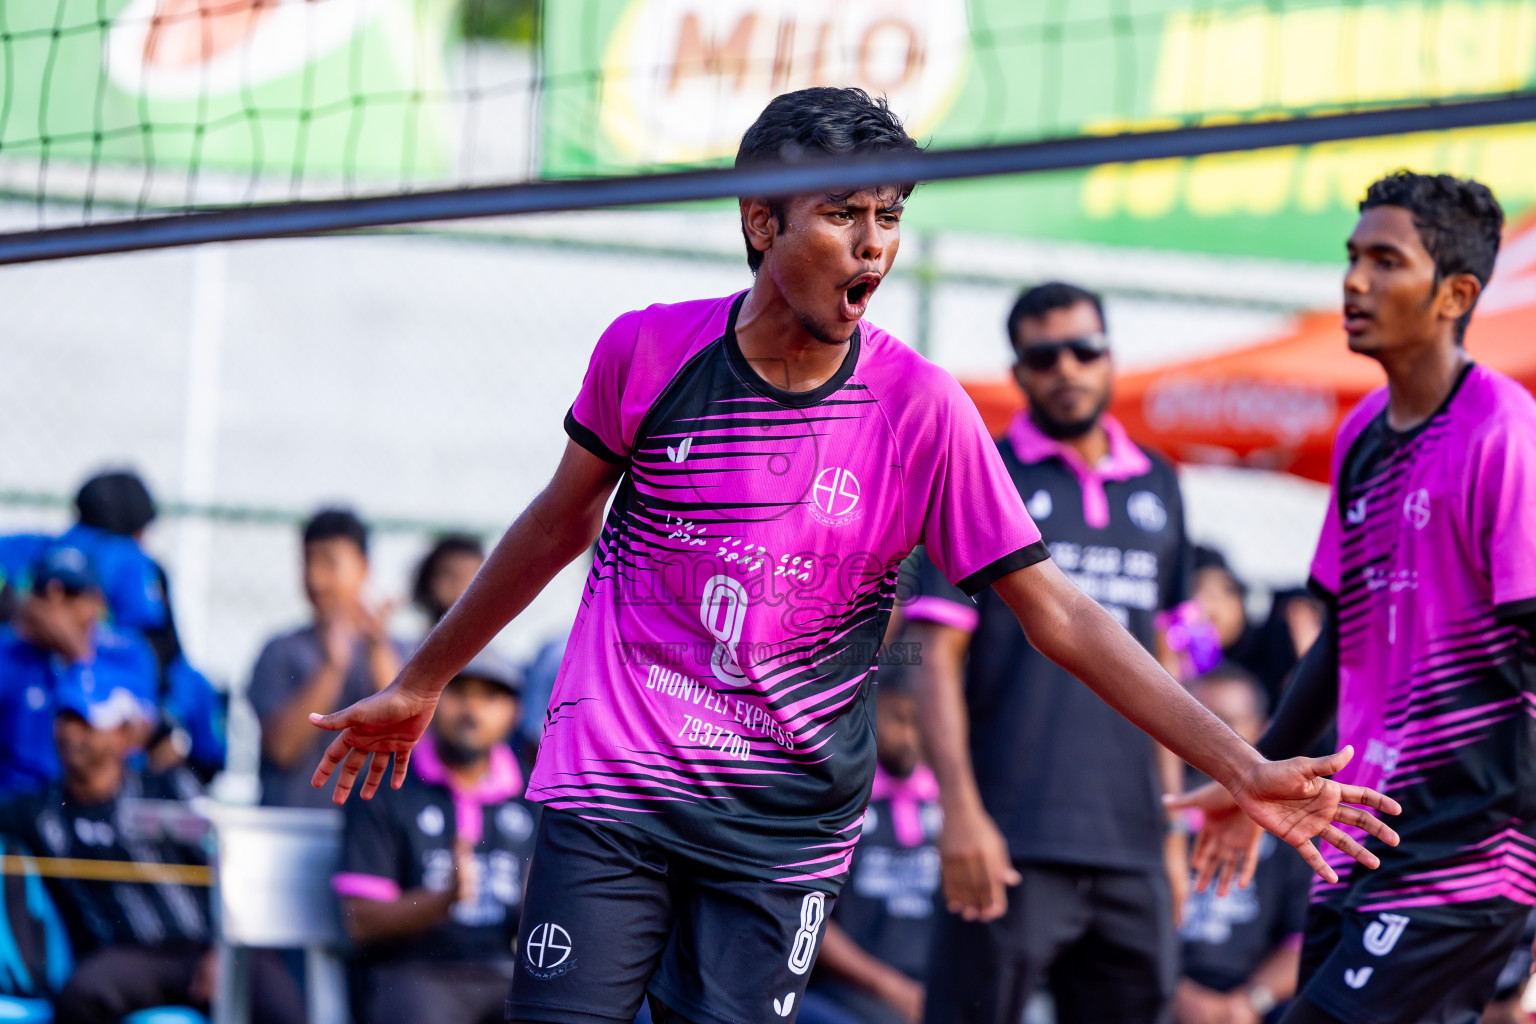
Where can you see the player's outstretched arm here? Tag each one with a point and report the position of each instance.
(1294, 799)
(554, 529)
(1227, 846)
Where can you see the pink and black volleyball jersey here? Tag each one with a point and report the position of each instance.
(1429, 550)
(714, 693)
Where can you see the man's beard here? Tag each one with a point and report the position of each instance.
(1066, 430)
(451, 752)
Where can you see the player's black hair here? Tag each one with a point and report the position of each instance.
(421, 584)
(825, 120)
(330, 523)
(1459, 222)
(1036, 302)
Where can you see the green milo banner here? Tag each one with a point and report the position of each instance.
(280, 90)
(648, 84)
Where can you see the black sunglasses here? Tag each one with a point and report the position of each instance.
(1041, 358)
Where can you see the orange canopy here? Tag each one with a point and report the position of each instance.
(1277, 404)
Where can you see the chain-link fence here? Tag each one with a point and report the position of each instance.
(423, 380)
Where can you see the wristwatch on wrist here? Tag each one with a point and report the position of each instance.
(1261, 999)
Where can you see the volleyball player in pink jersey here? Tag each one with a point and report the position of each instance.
(709, 748)
(1428, 562)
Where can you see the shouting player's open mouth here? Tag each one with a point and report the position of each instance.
(856, 295)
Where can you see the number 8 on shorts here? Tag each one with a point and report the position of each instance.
(803, 953)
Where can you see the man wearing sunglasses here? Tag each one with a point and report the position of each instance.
(1048, 790)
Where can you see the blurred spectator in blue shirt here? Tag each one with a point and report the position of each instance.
(58, 640)
(342, 656)
(114, 509)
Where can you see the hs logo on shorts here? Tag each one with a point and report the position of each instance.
(547, 953)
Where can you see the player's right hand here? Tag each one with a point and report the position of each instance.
(977, 869)
(388, 722)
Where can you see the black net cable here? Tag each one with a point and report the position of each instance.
(286, 219)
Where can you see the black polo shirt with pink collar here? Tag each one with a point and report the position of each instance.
(1068, 780)
(405, 839)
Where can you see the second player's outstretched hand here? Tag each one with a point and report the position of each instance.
(1226, 847)
(1297, 801)
(388, 722)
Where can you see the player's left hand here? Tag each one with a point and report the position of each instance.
(1297, 801)
(388, 722)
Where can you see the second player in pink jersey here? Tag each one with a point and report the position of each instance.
(1428, 562)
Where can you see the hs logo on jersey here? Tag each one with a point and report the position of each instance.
(835, 497)
(1416, 508)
